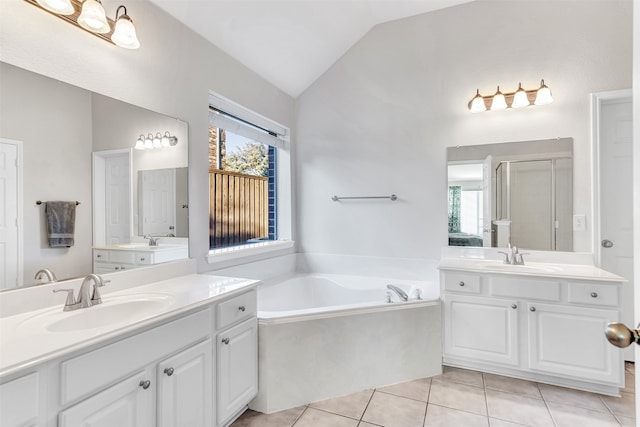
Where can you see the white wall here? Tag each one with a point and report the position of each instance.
(171, 73)
(379, 120)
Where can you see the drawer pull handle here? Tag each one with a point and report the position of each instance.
(242, 308)
(142, 259)
(594, 295)
(225, 340)
(145, 384)
(168, 371)
(514, 306)
(461, 283)
(532, 309)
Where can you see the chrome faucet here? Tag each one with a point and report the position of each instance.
(85, 297)
(401, 294)
(153, 241)
(51, 277)
(513, 257)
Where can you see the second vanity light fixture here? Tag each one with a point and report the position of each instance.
(519, 98)
(159, 141)
(90, 15)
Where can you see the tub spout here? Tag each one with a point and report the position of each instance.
(401, 294)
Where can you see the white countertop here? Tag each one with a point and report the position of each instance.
(26, 341)
(142, 247)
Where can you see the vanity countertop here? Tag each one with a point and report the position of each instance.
(142, 247)
(31, 338)
(537, 269)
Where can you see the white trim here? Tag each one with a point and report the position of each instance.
(597, 99)
(241, 251)
(20, 201)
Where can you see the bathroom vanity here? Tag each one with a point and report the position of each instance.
(173, 353)
(539, 321)
(119, 257)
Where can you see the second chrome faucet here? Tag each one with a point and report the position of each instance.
(85, 297)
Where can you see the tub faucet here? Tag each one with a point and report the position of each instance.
(51, 277)
(401, 294)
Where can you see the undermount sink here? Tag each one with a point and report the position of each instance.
(500, 266)
(113, 310)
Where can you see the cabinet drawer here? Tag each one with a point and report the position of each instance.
(460, 282)
(122, 256)
(593, 294)
(237, 308)
(144, 258)
(91, 371)
(522, 287)
(100, 255)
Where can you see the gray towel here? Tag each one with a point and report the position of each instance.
(61, 222)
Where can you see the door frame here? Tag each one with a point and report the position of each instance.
(20, 203)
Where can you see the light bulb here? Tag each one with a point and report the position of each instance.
(477, 105)
(157, 141)
(124, 34)
(60, 7)
(140, 143)
(148, 143)
(93, 17)
(543, 96)
(520, 98)
(165, 139)
(498, 102)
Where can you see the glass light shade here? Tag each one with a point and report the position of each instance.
(165, 139)
(543, 96)
(124, 35)
(157, 143)
(140, 143)
(61, 7)
(93, 17)
(520, 98)
(477, 103)
(148, 143)
(498, 102)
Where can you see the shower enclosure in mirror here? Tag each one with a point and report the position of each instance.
(518, 193)
(78, 145)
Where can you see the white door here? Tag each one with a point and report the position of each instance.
(615, 241)
(157, 201)
(118, 199)
(185, 388)
(487, 200)
(10, 214)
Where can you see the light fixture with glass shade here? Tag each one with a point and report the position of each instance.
(520, 98)
(148, 142)
(93, 17)
(60, 7)
(124, 33)
(139, 143)
(151, 142)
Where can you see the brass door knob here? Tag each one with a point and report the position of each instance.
(620, 335)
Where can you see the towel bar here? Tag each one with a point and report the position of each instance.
(39, 202)
(391, 197)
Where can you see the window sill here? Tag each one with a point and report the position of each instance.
(237, 252)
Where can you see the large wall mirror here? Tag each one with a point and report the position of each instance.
(518, 193)
(76, 145)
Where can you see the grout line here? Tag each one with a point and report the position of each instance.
(300, 416)
(424, 421)
(486, 400)
(546, 405)
(404, 397)
(334, 413)
(367, 405)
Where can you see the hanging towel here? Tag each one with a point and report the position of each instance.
(61, 222)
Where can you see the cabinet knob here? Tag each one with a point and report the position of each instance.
(514, 306)
(122, 268)
(145, 384)
(98, 256)
(242, 308)
(461, 283)
(225, 340)
(594, 295)
(141, 258)
(532, 309)
(117, 268)
(168, 371)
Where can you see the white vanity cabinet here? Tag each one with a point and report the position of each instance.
(548, 329)
(237, 355)
(109, 261)
(20, 401)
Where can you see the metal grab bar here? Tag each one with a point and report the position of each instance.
(391, 197)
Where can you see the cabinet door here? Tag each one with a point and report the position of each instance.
(481, 328)
(19, 402)
(128, 403)
(570, 341)
(237, 368)
(185, 393)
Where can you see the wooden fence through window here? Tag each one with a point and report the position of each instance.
(238, 208)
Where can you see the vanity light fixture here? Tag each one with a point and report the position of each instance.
(151, 142)
(519, 98)
(90, 16)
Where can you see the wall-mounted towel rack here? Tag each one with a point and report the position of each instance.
(39, 202)
(391, 197)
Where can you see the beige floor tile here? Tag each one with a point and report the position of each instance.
(418, 389)
(278, 419)
(494, 422)
(572, 397)
(458, 396)
(363, 424)
(439, 416)
(512, 385)
(518, 409)
(352, 405)
(394, 411)
(627, 422)
(317, 418)
(625, 405)
(571, 416)
(463, 376)
(629, 383)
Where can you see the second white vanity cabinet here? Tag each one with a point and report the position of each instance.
(544, 328)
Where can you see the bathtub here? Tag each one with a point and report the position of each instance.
(327, 335)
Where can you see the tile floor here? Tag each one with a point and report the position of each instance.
(461, 398)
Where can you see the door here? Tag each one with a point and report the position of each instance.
(481, 328)
(118, 199)
(10, 214)
(129, 403)
(237, 368)
(156, 198)
(185, 393)
(614, 246)
(487, 202)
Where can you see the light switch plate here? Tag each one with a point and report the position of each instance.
(579, 222)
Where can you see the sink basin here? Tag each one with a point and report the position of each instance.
(113, 310)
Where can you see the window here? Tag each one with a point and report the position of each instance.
(248, 156)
